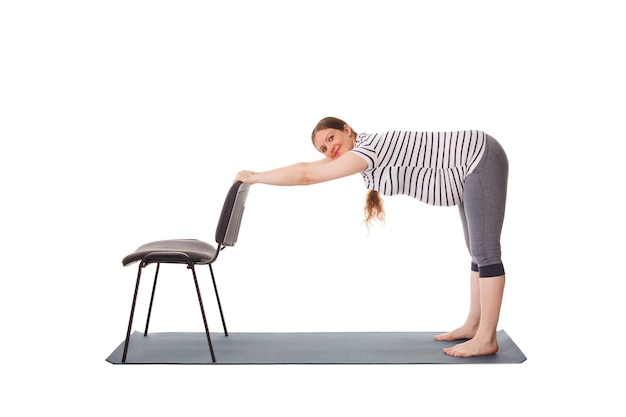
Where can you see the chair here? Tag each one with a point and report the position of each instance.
(191, 252)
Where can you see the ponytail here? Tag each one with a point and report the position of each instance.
(374, 209)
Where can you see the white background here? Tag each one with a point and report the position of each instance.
(124, 122)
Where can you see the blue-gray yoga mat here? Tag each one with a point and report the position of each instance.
(303, 348)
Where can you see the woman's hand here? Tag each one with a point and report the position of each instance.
(244, 176)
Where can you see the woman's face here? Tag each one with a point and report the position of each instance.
(333, 142)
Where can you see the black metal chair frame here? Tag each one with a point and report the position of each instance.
(159, 252)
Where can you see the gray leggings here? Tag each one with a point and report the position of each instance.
(482, 210)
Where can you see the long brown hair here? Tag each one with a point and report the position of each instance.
(374, 208)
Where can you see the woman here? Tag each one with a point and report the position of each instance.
(466, 168)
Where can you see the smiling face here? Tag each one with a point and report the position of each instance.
(333, 142)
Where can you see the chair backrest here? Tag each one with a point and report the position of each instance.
(228, 226)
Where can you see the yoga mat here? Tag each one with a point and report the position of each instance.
(303, 348)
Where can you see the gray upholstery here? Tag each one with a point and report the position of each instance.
(199, 252)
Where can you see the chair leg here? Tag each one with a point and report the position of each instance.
(132, 313)
(156, 275)
(206, 326)
(219, 304)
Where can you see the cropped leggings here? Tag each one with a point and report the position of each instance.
(482, 210)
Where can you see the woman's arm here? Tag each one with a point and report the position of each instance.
(305, 173)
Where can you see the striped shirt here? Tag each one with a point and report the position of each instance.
(429, 166)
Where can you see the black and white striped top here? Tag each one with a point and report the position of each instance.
(429, 166)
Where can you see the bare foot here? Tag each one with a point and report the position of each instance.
(464, 332)
(471, 348)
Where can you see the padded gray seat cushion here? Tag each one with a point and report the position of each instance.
(200, 252)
